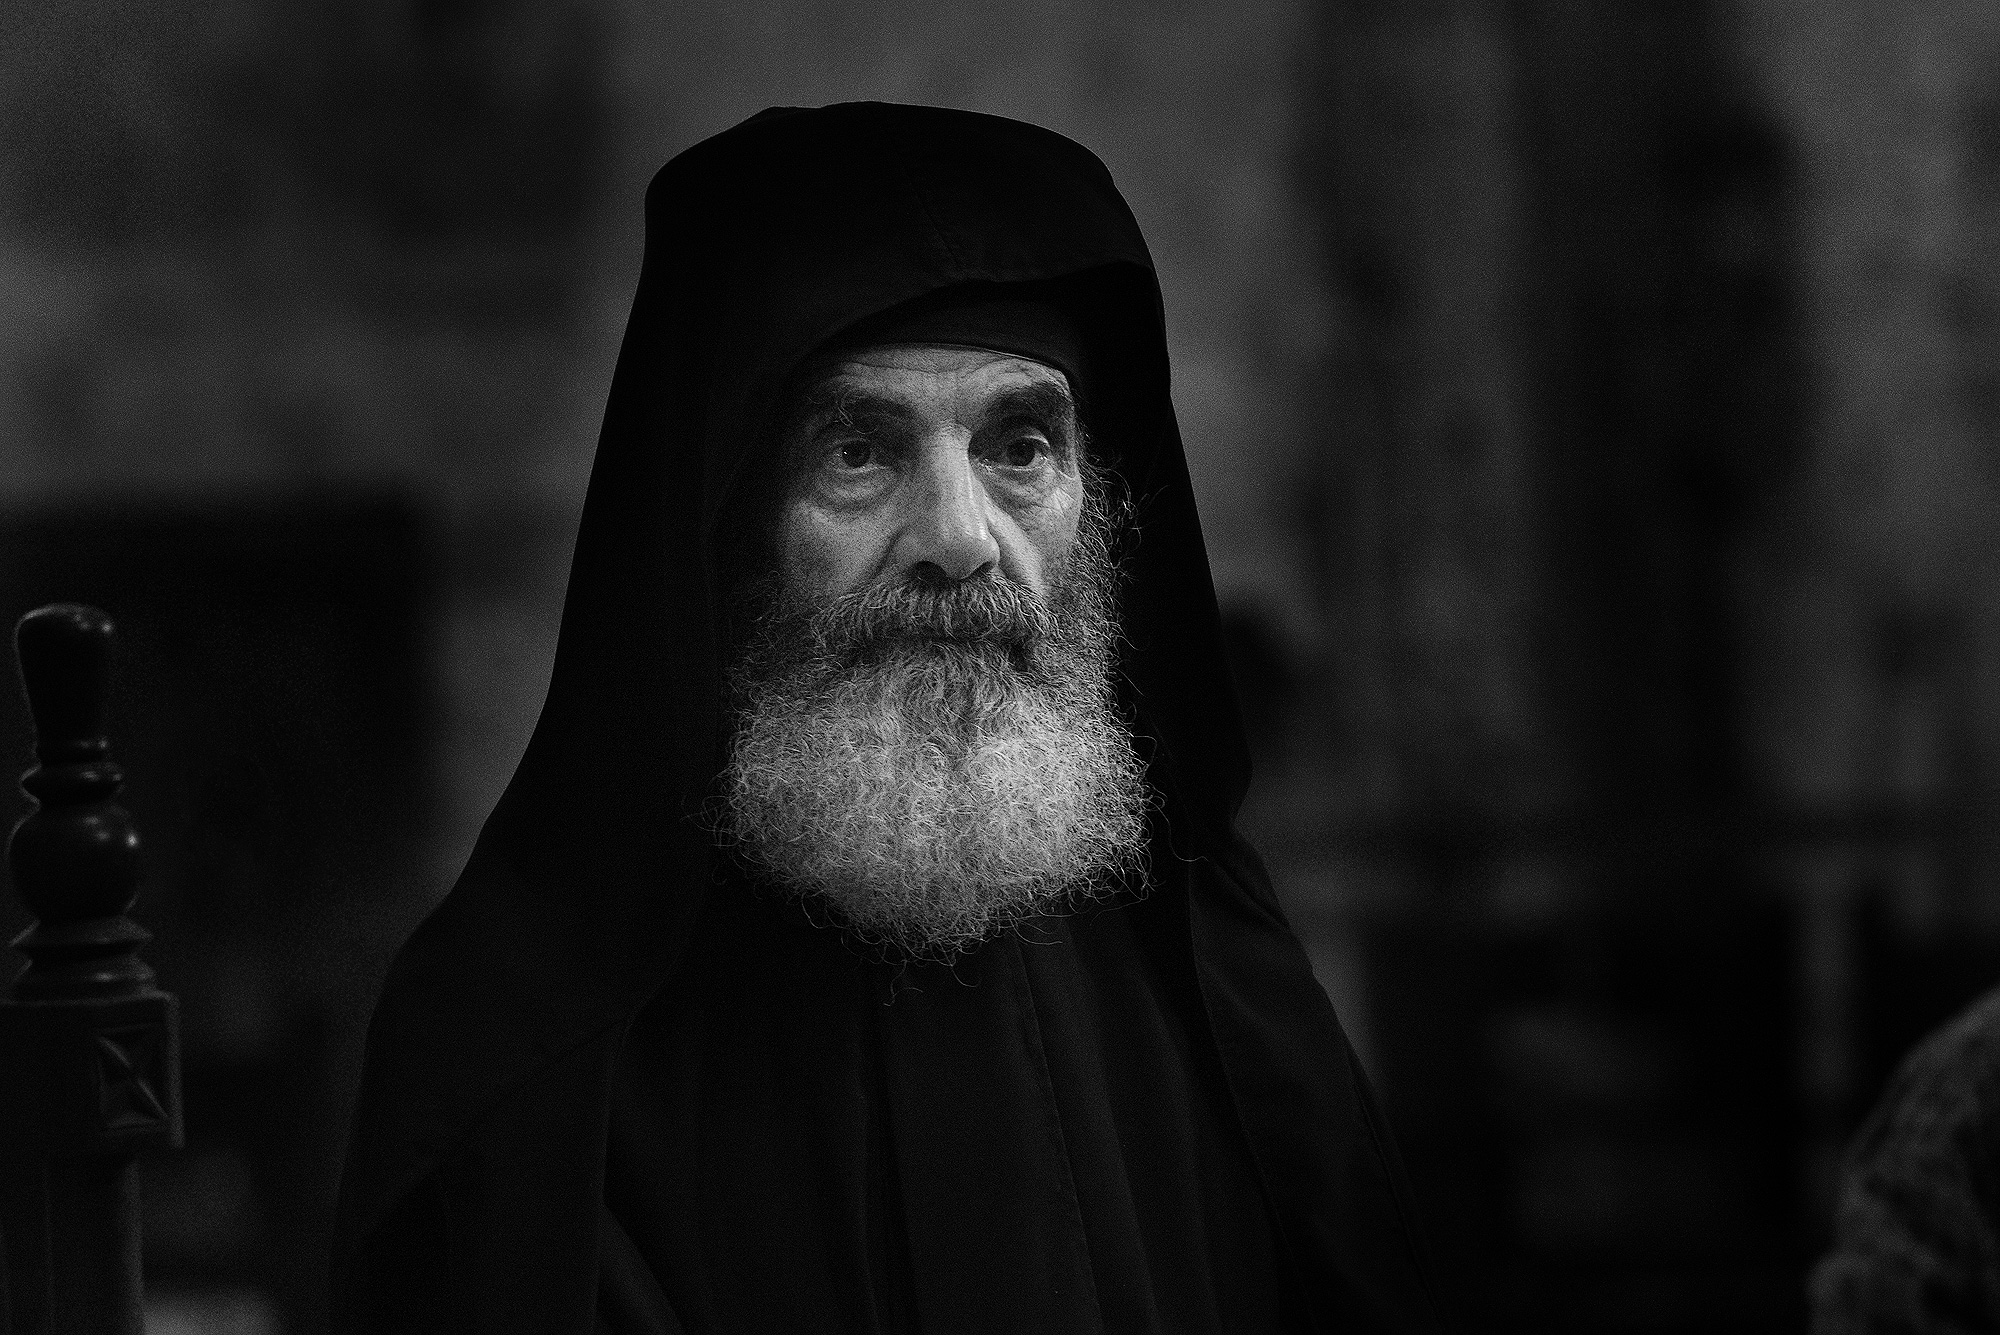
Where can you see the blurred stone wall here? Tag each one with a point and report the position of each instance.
(295, 338)
(1874, 627)
(1877, 567)
(1423, 522)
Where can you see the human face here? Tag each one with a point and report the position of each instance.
(931, 463)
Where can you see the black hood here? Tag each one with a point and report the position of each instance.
(761, 245)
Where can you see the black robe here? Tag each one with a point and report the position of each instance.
(609, 1088)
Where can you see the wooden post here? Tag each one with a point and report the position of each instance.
(89, 1048)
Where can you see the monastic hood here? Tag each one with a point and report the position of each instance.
(761, 244)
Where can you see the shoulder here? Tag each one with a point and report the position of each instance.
(1950, 1082)
(496, 1226)
(1941, 1112)
(1917, 1235)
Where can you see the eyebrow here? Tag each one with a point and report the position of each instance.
(837, 402)
(1047, 400)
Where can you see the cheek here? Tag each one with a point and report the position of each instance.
(1049, 528)
(828, 553)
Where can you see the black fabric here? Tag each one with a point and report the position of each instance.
(598, 1049)
(980, 317)
(1038, 1138)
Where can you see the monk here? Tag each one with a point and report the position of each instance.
(864, 942)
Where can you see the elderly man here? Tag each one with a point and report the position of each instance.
(863, 943)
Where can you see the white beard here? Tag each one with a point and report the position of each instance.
(934, 790)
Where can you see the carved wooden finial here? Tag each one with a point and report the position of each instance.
(76, 858)
(89, 1048)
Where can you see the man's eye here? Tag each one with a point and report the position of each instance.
(1023, 451)
(855, 454)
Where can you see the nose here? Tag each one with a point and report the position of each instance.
(949, 535)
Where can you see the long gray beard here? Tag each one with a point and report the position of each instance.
(937, 764)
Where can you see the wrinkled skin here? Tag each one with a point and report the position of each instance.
(930, 462)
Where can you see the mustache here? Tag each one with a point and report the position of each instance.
(990, 609)
(991, 621)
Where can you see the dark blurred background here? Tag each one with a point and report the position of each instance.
(1592, 410)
